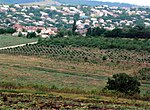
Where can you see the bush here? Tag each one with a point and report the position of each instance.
(10, 30)
(123, 83)
(31, 35)
(2, 31)
(104, 58)
(38, 30)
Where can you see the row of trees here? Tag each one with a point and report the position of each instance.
(7, 30)
(29, 35)
(130, 32)
(100, 42)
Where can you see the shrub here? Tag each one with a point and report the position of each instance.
(38, 30)
(2, 31)
(31, 35)
(20, 34)
(123, 83)
(10, 30)
(104, 58)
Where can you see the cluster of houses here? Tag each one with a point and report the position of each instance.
(50, 19)
(43, 32)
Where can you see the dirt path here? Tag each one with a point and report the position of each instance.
(20, 45)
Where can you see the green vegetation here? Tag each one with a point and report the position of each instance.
(54, 100)
(100, 42)
(123, 83)
(81, 54)
(93, 3)
(74, 27)
(33, 82)
(7, 30)
(8, 40)
(71, 72)
(129, 32)
(31, 35)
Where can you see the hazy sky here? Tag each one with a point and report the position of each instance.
(137, 2)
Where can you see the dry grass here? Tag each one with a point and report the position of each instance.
(62, 74)
(68, 77)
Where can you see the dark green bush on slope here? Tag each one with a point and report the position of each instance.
(123, 83)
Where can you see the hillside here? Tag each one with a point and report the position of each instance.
(30, 2)
(49, 76)
(71, 2)
(34, 82)
(18, 1)
(43, 3)
(94, 3)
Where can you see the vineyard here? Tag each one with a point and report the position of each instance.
(93, 55)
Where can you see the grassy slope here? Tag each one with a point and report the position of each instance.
(8, 40)
(40, 71)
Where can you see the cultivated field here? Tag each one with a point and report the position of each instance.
(53, 76)
(65, 101)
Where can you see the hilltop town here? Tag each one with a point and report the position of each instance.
(50, 19)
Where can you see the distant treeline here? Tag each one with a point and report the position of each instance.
(7, 30)
(99, 42)
(131, 32)
(94, 3)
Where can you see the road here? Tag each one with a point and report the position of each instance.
(20, 45)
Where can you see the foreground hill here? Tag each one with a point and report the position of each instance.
(40, 83)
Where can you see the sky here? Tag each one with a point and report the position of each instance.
(137, 2)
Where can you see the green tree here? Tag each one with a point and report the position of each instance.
(74, 27)
(76, 16)
(38, 30)
(89, 31)
(123, 83)
(31, 35)
(2, 31)
(95, 31)
(114, 33)
(60, 34)
(10, 30)
(20, 34)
